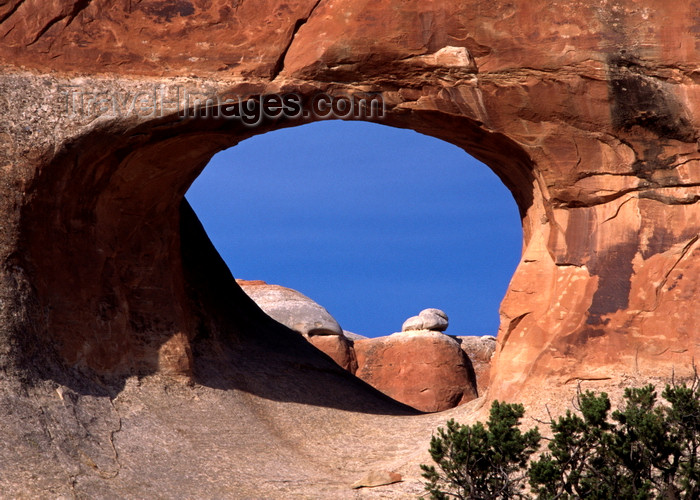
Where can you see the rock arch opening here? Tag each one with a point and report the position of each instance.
(124, 278)
(115, 276)
(374, 223)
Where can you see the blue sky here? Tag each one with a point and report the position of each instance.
(374, 223)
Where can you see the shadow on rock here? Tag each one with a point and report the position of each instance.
(237, 346)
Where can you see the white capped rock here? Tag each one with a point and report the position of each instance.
(427, 319)
(291, 308)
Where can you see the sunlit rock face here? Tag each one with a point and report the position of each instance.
(424, 369)
(587, 111)
(292, 308)
(428, 319)
(301, 314)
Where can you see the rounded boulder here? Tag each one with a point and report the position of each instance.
(424, 369)
(291, 308)
(428, 319)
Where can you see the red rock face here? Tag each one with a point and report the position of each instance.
(423, 369)
(338, 348)
(480, 351)
(588, 112)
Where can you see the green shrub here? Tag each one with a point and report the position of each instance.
(646, 449)
(481, 462)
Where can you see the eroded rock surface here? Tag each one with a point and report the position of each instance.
(339, 348)
(588, 112)
(480, 351)
(377, 478)
(305, 316)
(424, 369)
(590, 120)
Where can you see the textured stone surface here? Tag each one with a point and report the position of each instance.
(339, 348)
(480, 351)
(298, 312)
(291, 308)
(423, 369)
(427, 319)
(588, 112)
(353, 336)
(377, 478)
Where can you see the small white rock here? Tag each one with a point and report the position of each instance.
(428, 319)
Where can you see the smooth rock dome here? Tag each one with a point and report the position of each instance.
(292, 308)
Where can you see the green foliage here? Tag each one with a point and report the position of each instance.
(645, 449)
(578, 463)
(683, 419)
(481, 462)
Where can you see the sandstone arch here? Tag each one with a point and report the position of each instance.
(109, 257)
(591, 123)
(587, 111)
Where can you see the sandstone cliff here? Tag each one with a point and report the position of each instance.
(588, 112)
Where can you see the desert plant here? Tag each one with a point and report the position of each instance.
(649, 450)
(481, 462)
(645, 449)
(582, 461)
